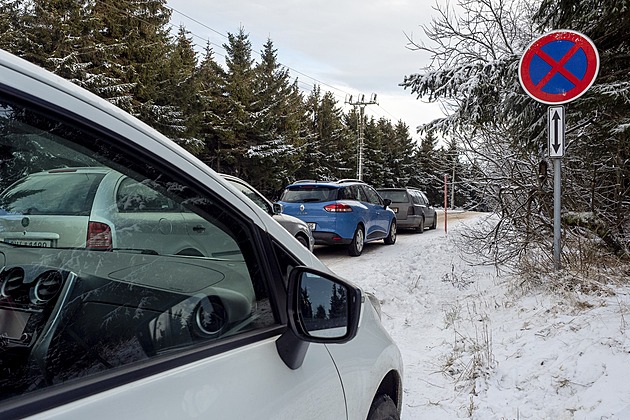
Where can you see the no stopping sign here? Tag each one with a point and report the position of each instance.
(559, 67)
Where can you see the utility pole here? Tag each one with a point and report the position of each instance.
(361, 103)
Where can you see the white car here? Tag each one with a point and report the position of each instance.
(182, 299)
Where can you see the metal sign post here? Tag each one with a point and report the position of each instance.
(557, 68)
(445, 203)
(555, 130)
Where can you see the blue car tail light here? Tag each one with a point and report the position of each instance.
(338, 208)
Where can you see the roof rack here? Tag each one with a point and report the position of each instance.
(341, 181)
(303, 181)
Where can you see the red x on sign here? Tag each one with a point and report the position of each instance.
(559, 67)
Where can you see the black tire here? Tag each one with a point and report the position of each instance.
(301, 239)
(383, 408)
(390, 239)
(420, 228)
(358, 241)
(434, 224)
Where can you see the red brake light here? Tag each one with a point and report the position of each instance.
(338, 208)
(410, 211)
(99, 236)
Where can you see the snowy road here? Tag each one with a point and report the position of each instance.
(476, 346)
(417, 280)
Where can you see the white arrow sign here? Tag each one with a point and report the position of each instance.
(555, 128)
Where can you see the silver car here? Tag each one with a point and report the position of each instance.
(295, 226)
(100, 208)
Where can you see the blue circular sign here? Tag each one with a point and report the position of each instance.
(559, 67)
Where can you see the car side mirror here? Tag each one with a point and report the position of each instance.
(321, 308)
(277, 208)
(386, 202)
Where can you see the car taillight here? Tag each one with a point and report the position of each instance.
(338, 208)
(99, 236)
(410, 211)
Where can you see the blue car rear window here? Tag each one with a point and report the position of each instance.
(309, 194)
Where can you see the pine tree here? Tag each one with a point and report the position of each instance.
(183, 90)
(405, 149)
(338, 308)
(138, 33)
(598, 124)
(428, 175)
(11, 26)
(58, 35)
(334, 139)
(213, 127)
(378, 160)
(309, 147)
(277, 124)
(240, 105)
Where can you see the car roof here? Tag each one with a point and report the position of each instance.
(73, 170)
(336, 184)
(399, 189)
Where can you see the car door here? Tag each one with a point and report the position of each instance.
(131, 333)
(429, 212)
(379, 218)
(421, 204)
(142, 217)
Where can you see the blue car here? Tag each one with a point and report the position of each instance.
(345, 212)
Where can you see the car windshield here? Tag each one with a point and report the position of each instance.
(395, 195)
(48, 194)
(309, 194)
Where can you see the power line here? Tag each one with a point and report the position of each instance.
(295, 71)
(342, 97)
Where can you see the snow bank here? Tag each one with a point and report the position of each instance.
(476, 346)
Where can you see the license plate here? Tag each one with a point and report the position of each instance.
(39, 243)
(312, 226)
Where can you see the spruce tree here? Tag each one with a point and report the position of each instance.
(213, 128)
(58, 37)
(183, 90)
(310, 151)
(136, 33)
(334, 139)
(597, 176)
(376, 156)
(240, 105)
(11, 26)
(428, 175)
(276, 126)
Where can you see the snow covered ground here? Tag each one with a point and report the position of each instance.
(476, 345)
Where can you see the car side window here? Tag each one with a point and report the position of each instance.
(134, 196)
(372, 195)
(416, 198)
(87, 291)
(351, 192)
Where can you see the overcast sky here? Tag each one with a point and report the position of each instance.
(348, 47)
